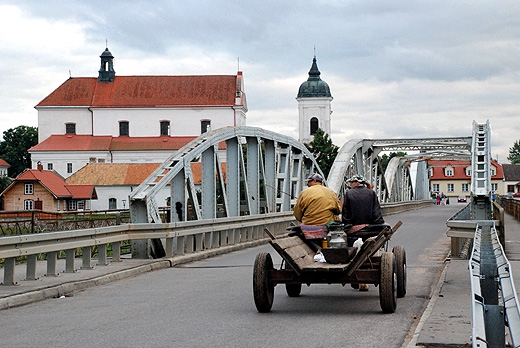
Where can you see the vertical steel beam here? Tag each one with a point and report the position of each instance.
(233, 176)
(253, 171)
(209, 205)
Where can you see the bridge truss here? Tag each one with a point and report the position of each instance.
(243, 171)
(246, 171)
(395, 185)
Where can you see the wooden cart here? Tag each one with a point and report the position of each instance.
(372, 264)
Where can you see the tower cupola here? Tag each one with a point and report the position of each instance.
(106, 71)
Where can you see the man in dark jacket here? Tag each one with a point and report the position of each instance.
(360, 208)
(360, 204)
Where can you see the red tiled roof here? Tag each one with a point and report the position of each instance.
(4, 163)
(75, 142)
(149, 143)
(145, 91)
(82, 191)
(53, 182)
(459, 169)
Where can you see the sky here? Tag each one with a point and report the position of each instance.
(396, 69)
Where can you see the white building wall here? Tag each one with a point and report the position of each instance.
(146, 122)
(313, 107)
(121, 193)
(52, 121)
(60, 159)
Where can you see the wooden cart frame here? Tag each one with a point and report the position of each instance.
(386, 270)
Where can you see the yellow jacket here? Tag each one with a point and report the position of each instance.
(317, 205)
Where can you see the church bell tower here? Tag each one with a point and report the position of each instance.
(106, 71)
(314, 107)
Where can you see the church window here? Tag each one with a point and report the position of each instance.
(70, 128)
(205, 126)
(314, 125)
(165, 127)
(124, 128)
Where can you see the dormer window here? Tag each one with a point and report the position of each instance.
(70, 128)
(448, 171)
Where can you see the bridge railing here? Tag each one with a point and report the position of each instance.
(179, 238)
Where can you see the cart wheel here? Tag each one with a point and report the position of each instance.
(293, 289)
(388, 284)
(400, 269)
(263, 290)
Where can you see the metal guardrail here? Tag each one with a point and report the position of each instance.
(179, 238)
(493, 291)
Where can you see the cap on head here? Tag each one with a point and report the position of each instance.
(358, 178)
(314, 176)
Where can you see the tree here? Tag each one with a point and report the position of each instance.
(514, 153)
(13, 148)
(324, 150)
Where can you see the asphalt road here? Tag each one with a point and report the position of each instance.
(210, 304)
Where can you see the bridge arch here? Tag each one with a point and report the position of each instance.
(243, 170)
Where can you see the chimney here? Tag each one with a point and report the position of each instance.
(40, 166)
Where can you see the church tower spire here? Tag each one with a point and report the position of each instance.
(314, 107)
(106, 71)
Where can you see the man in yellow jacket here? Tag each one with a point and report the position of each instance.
(317, 205)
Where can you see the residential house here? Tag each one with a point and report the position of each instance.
(453, 178)
(88, 119)
(46, 190)
(511, 178)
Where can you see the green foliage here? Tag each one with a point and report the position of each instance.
(386, 158)
(4, 182)
(13, 148)
(324, 150)
(514, 153)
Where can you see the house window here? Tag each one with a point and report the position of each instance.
(510, 188)
(81, 205)
(28, 204)
(70, 128)
(468, 172)
(72, 204)
(493, 171)
(29, 189)
(165, 127)
(69, 168)
(112, 203)
(449, 172)
(101, 160)
(124, 128)
(436, 188)
(494, 187)
(465, 187)
(314, 125)
(205, 126)
(50, 166)
(92, 160)
(451, 187)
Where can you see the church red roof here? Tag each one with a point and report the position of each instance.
(79, 142)
(145, 91)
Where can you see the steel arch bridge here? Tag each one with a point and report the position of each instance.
(246, 171)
